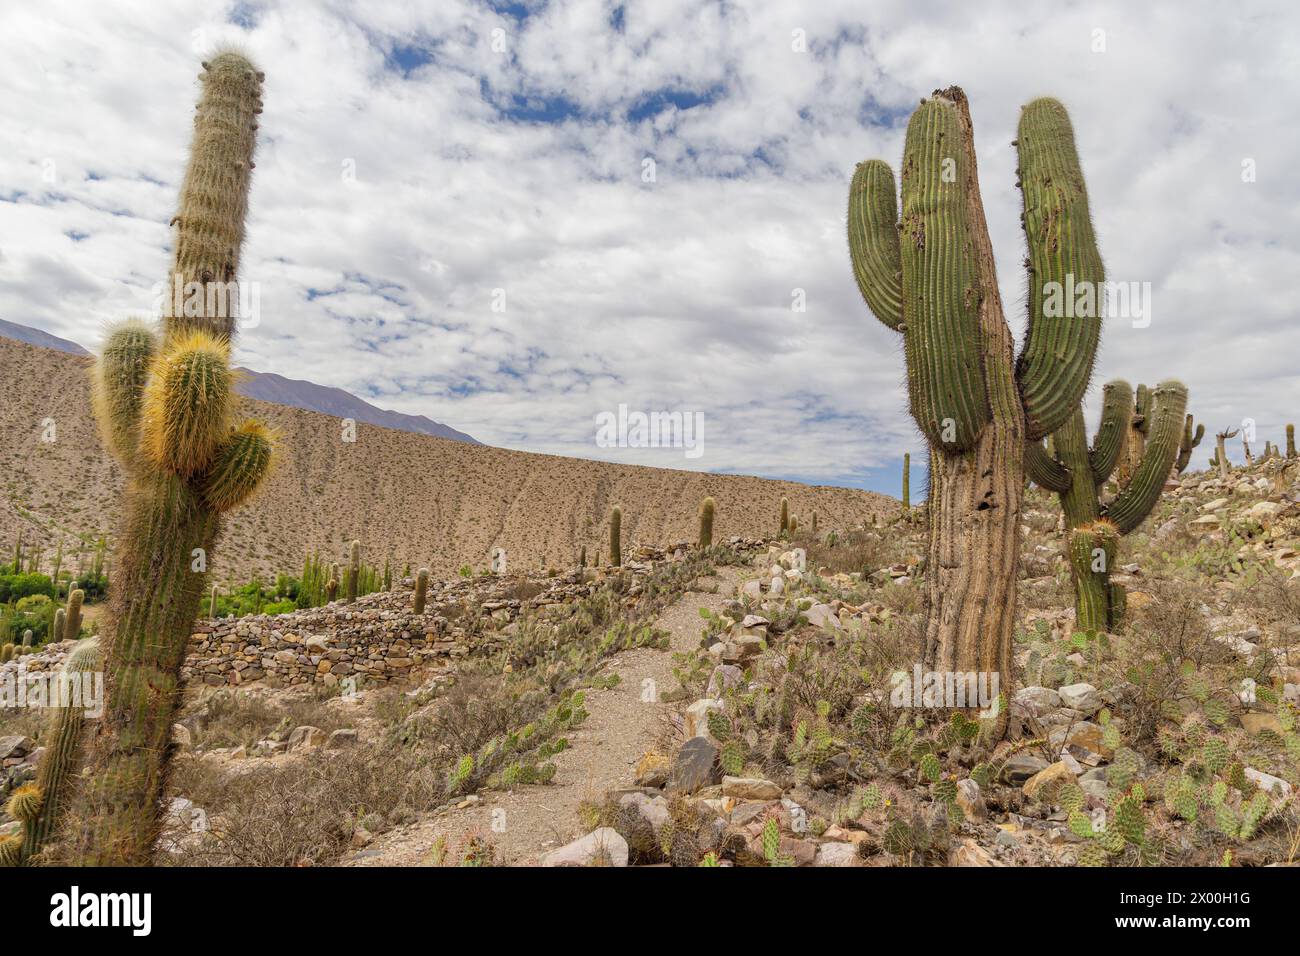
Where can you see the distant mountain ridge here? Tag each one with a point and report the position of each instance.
(269, 387)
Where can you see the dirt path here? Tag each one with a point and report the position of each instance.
(603, 753)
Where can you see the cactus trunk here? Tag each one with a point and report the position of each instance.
(615, 537)
(907, 481)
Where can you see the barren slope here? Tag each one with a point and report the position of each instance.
(413, 498)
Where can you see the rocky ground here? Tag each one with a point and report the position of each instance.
(736, 709)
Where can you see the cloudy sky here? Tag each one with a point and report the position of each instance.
(453, 212)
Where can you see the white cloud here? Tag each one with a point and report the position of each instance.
(667, 295)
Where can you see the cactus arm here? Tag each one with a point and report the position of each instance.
(1190, 440)
(873, 241)
(942, 288)
(1164, 420)
(117, 386)
(1112, 434)
(1056, 363)
(1044, 470)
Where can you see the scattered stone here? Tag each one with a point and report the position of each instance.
(1044, 783)
(695, 767)
(306, 738)
(695, 722)
(602, 846)
(1081, 697)
(652, 770)
(341, 739)
(750, 788)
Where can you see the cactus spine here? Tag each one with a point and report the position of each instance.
(931, 276)
(1079, 473)
(354, 569)
(706, 522)
(421, 590)
(615, 537)
(165, 405)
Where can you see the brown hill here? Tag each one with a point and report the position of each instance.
(413, 498)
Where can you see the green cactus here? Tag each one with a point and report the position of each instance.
(165, 406)
(7, 652)
(931, 276)
(354, 570)
(40, 804)
(1077, 474)
(1190, 440)
(27, 639)
(1290, 441)
(706, 522)
(785, 517)
(615, 537)
(421, 590)
(72, 616)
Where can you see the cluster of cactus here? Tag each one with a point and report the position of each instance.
(1078, 473)
(929, 274)
(39, 805)
(707, 508)
(165, 402)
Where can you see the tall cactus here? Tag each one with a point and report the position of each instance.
(1290, 441)
(41, 803)
(616, 537)
(1189, 441)
(785, 516)
(930, 275)
(1077, 473)
(165, 404)
(706, 522)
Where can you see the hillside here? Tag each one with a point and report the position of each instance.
(413, 498)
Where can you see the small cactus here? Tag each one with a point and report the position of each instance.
(354, 570)
(1189, 441)
(706, 522)
(615, 537)
(421, 590)
(27, 639)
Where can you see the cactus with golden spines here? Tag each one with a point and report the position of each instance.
(706, 522)
(928, 273)
(616, 537)
(39, 805)
(1077, 474)
(166, 408)
(421, 590)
